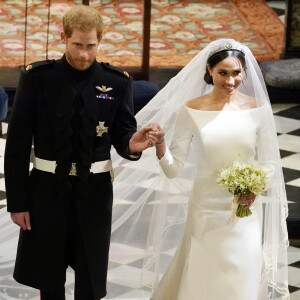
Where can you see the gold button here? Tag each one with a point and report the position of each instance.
(29, 67)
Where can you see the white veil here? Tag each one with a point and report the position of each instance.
(150, 210)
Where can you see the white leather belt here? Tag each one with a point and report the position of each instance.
(50, 166)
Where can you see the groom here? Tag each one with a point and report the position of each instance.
(73, 110)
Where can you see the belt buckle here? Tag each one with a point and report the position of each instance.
(73, 170)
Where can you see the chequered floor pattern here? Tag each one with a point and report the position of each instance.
(122, 281)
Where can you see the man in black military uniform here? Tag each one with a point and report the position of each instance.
(72, 110)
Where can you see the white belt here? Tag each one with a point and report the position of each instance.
(50, 166)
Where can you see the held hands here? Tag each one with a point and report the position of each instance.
(22, 219)
(160, 144)
(147, 137)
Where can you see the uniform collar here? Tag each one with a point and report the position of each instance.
(78, 74)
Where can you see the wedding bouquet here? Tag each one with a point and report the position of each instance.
(242, 179)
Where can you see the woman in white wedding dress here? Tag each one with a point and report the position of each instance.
(217, 258)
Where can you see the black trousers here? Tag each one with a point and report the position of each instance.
(76, 258)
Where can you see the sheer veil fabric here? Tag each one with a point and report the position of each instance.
(150, 210)
(153, 214)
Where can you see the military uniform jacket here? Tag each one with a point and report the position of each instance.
(42, 115)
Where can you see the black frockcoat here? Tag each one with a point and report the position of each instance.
(43, 115)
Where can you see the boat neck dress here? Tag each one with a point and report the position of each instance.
(216, 259)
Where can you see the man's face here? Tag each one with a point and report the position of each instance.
(81, 48)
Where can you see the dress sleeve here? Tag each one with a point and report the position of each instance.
(173, 160)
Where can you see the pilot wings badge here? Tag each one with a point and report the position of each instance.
(104, 92)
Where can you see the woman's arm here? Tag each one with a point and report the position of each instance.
(172, 159)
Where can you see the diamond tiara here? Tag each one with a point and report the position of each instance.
(226, 47)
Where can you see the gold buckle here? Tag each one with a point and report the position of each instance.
(73, 171)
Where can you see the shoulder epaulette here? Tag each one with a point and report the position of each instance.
(38, 64)
(110, 67)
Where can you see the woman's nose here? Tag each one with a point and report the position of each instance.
(230, 80)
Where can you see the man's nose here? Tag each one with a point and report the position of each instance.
(83, 54)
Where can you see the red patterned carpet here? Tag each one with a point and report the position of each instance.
(179, 29)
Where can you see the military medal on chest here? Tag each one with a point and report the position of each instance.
(101, 129)
(104, 92)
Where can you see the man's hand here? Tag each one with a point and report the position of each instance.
(145, 138)
(22, 219)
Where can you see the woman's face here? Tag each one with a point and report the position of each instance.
(227, 75)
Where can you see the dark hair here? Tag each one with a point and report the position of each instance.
(219, 56)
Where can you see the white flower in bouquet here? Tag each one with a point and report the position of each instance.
(242, 179)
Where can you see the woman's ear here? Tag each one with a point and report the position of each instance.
(209, 70)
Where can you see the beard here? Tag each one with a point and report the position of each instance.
(78, 63)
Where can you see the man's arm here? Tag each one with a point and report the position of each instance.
(18, 146)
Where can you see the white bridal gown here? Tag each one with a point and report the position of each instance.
(215, 260)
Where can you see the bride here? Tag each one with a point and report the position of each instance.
(214, 112)
(217, 259)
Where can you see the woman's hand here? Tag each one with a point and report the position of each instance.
(246, 200)
(160, 144)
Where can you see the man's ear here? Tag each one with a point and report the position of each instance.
(63, 36)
